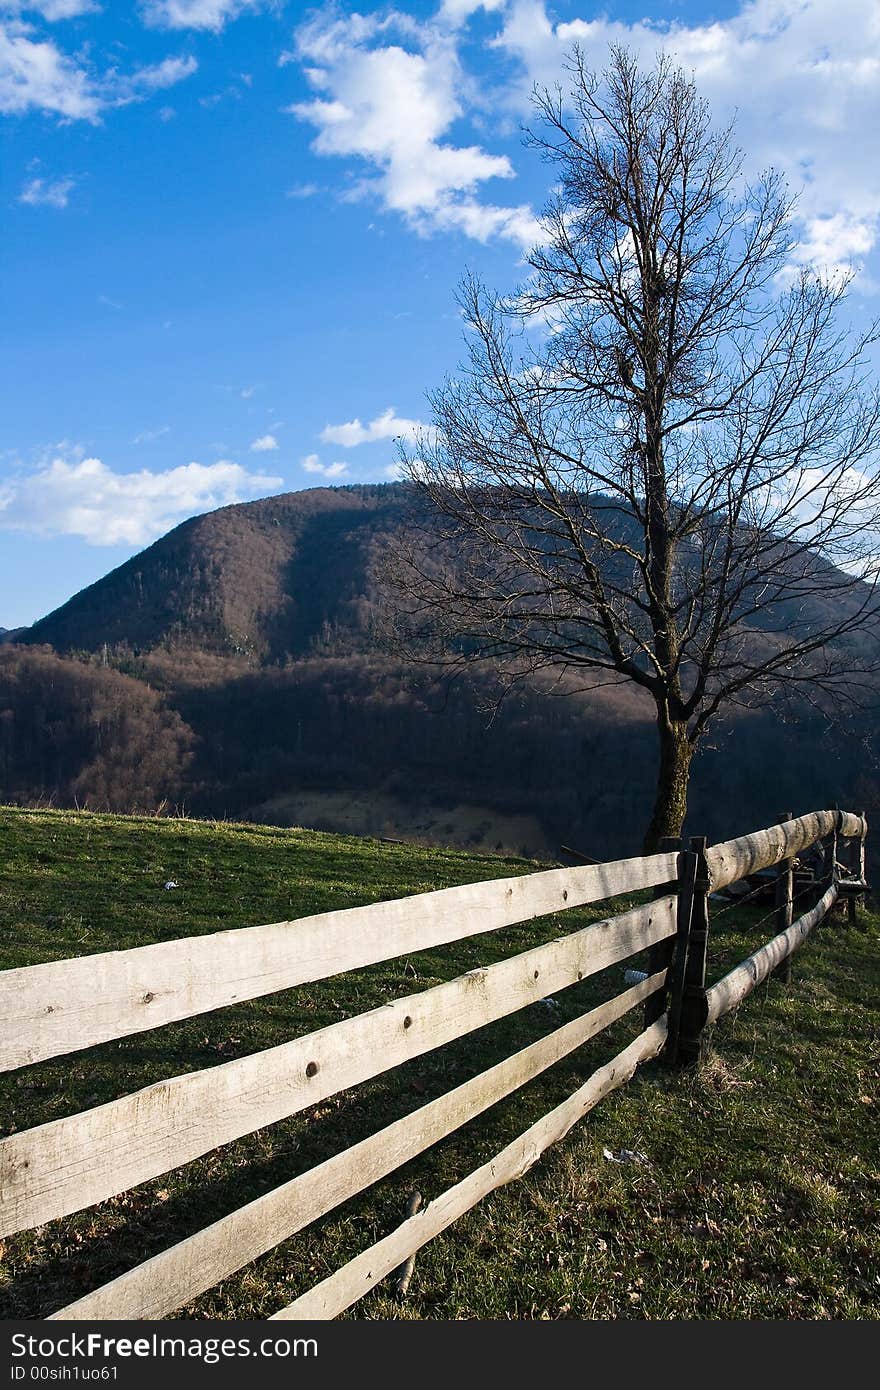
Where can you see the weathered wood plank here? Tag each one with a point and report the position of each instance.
(735, 859)
(733, 987)
(68, 1164)
(62, 1006)
(852, 826)
(343, 1288)
(173, 1278)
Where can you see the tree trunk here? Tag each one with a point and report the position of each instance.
(670, 799)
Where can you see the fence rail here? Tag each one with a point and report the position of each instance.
(74, 1162)
(64, 1006)
(68, 1164)
(733, 988)
(174, 1277)
(353, 1280)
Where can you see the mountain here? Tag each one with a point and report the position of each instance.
(242, 644)
(258, 580)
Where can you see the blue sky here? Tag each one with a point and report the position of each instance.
(232, 229)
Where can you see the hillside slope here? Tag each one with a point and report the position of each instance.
(272, 580)
(258, 579)
(255, 624)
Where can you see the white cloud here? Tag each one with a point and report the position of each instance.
(802, 77)
(195, 14)
(161, 75)
(36, 75)
(214, 98)
(148, 436)
(85, 498)
(264, 444)
(388, 425)
(393, 107)
(53, 10)
(457, 12)
(47, 192)
(803, 502)
(835, 241)
(312, 464)
(65, 9)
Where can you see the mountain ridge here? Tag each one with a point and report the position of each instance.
(254, 623)
(222, 579)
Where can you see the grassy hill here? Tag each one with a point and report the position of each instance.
(761, 1191)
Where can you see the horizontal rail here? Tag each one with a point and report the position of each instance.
(736, 859)
(852, 827)
(63, 1006)
(732, 988)
(176, 1276)
(71, 1163)
(348, 1284)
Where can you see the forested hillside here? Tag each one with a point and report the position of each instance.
(233, 668)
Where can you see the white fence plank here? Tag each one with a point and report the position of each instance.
(62, 1006)
(735, 859)
(71, 1163)
(176, 1276)
(338, 1292)
(733, 987)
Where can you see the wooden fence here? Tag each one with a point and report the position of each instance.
(57, 1008)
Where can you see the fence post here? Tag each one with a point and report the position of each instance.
(660, 954)
(692, 1040)
(784, 901)
(857, 870)
(687, 1004)
(827, 872)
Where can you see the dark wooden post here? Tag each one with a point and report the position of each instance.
(784, 899)
(692, 1041)
(687, 1003)
(660, 954)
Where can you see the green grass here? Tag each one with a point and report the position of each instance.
(760, 1197)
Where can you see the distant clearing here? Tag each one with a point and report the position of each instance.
(463, 826)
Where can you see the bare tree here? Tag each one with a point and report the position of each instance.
(659, 462)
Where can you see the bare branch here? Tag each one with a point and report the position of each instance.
(660, 460)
